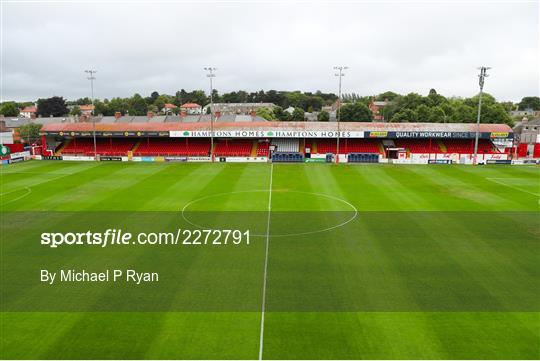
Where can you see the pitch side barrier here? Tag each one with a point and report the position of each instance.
(297, 157)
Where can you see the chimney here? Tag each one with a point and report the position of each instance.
(117, 115)
(150, 115)
(218, 114)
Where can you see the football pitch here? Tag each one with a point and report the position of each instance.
(344, 262)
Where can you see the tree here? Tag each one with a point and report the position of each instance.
(9, 109)
(76, 110)
(423, 113)
(389, 95)
(154, 96)
(265, 113)
(117, 105)
(495, 113)
(161, 100)
(436, 115)
(529, 103)
(55, 106)
(280, 114)
(137, 105)
(410, 101)
(355, 112)
(197, 96)
(323, 116)
(298, 115)
(404, 116)
(434, 99)
(462, 113)
(83, 101)
(30, 132)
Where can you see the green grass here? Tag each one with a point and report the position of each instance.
(441, 262)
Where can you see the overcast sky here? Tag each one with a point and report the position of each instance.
(140, 47)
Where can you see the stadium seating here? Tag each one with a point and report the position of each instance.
(286, 145)
(347, 146)
(536, 153)
(419, 145)
(173, 147)
(104, 146)
(467, 146)
(359, 146)
(233, 148)
(522, 150)
(326, 146)
(262, 149)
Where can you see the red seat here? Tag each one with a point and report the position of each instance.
(104, 146)
(173, 147)
(234, 148)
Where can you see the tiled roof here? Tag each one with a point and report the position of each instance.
(193, 124)
(191, 105)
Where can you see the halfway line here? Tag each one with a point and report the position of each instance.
(263, 306)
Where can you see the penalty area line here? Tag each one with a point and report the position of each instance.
(263, 305)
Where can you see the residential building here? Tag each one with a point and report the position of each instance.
(29, 112)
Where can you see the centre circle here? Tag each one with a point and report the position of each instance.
(349, 213)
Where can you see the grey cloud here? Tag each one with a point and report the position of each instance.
(141, 47)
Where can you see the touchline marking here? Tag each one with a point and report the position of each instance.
(28, 191)
(263, 306)
(511, 186)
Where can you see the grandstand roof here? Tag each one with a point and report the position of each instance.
(284, 126)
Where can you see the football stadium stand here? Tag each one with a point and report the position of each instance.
(173, 147)
(104, 146)
(234, 147)
(262, 149)
(347, 146)
(419, 145)
(286, 145)
(400, 142)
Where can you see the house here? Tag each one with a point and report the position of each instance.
(87, 109)
(29, 112)
(289, 110)
(527, 131)
(191, 108)
(376, 108)
(526, 112)
(168, 108)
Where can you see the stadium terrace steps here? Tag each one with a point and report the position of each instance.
(442, 146)
(262, 149)
(134, 149)
(303, 146)
(62, 146)
(254, 146)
